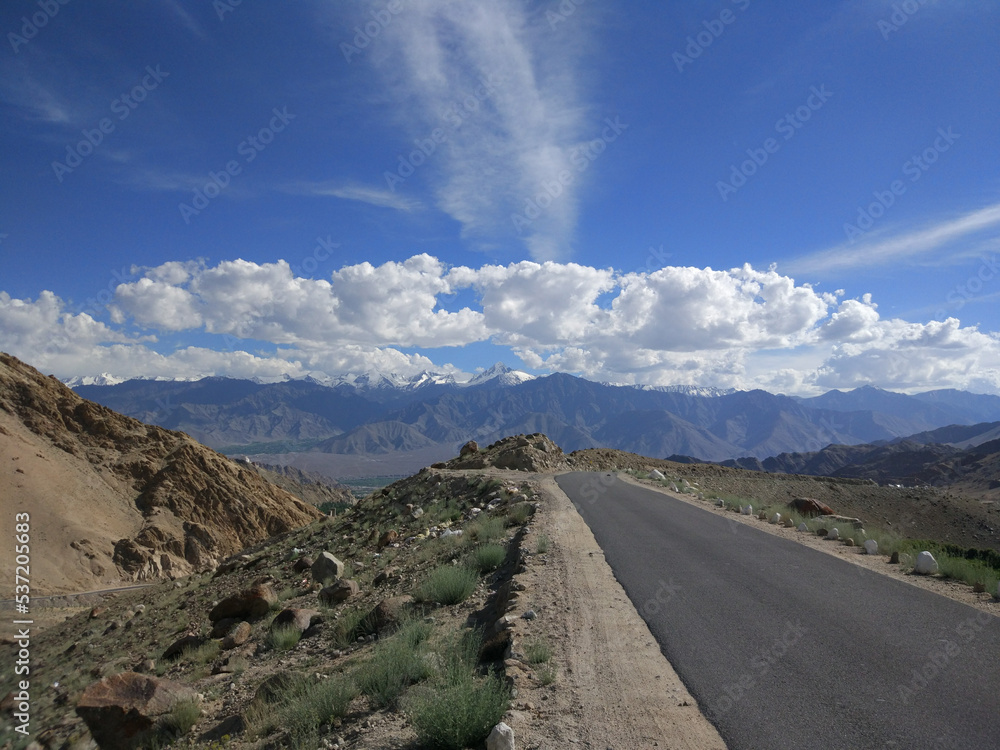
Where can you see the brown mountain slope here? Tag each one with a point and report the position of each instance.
(114, 500)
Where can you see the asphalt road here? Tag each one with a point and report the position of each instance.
(784, 646)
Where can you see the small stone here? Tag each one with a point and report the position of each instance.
(748, 510)
(849, 542)
(776, 518)
(894, 558)
(821, 532)
(529, 615)
(834, 534)
(871, 547)
(237, 636)
(803, 527)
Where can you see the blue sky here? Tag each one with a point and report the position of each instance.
(724, 193)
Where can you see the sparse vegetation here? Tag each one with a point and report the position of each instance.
(537, 651)
(546, 675)
(447, 584)
(486, 529)
(284, 637)
(303, 709)
(542, 545)
(396, 664)
(181, 718)
(488, 557)
(520, 513)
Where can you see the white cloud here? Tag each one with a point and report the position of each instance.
(740, 327)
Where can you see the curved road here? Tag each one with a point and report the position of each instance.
(787, 647)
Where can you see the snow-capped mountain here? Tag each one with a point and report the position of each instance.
(103, 379)
(502, 374)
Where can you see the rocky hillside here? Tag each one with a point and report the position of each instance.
(113, 500)
(309, 487)
(333, 635)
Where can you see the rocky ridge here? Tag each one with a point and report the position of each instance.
(114, 500)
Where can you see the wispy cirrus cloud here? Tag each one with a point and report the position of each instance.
(884, 249)
(373, 196)
(503, 89)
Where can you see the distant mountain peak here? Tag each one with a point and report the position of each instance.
(502, 374)
(105, 378)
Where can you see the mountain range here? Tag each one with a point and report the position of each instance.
(380, 416)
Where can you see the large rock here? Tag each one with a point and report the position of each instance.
(123, 711)
(501, 738)
(182, 644)
(327, 567)
(871, 547)
(254, 602)
(470, 447)
(926, 564)
(237, 636)
(387, 538)
(808, 506)
(300, 619)
(339, 591)
(656, 474)
(389, 613)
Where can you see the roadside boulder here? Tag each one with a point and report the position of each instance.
(327, 567)
(123, 711)
(871, 547)
(254, 602)
(654, 474)
(501, 738)
(926, 564)
(834, 534)
(469, 448)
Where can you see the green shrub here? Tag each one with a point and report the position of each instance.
(546, 675)
(537, 651)
(542, 545)
(303, 709)
(284, 637)
(183, 715)
(520, 513)
(351, 624)
(316, 704)
(447, 584)
(488, 557)
(487, 529)
(459, 714)
(394, 666)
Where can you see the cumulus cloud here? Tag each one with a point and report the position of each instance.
(739, 327)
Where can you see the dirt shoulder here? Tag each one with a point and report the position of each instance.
(613, 687)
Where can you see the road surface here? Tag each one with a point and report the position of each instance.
(784, 646)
